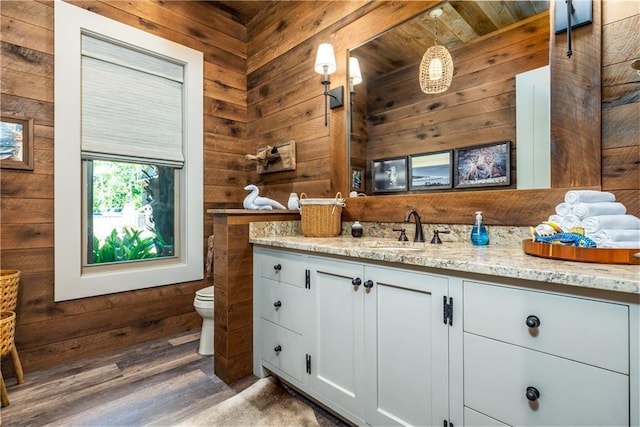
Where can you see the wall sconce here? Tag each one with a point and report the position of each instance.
(325, 65)
(569, 14)
(436, 68)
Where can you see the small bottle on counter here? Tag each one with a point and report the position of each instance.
(294, 202)
(356, 229)
(479, 234)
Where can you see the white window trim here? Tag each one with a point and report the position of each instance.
(70, 280)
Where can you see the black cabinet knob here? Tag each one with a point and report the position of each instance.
(356, 281)
(277, 349)
(532, 394)
(277, 304)
(533, 321)
(368, 284)
(277, 267)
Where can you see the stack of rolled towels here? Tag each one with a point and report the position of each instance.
(604, 220)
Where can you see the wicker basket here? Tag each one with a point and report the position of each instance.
(7, 330)
(9, 280)
(321, 217)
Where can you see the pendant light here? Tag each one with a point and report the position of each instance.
(436, 68)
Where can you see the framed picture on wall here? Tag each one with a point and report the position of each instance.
(389, 175)
(16, 143)
(483, 165)
(357, 179)
(430, 171)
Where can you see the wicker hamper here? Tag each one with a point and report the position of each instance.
(321, 217)
(7, 330)
(9, 280)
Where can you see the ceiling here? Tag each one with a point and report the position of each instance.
(241, 11)
(460, 22)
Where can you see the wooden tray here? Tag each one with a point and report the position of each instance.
(572, 253)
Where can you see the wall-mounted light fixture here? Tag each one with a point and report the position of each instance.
(436, 68)
(569, 14)
(326, 65)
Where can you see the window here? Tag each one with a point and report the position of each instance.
(128, 157)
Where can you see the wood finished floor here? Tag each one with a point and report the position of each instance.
(158, 383)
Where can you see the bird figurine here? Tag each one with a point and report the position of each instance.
(253, 201)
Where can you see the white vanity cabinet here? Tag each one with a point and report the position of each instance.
(379, 347)
(376, 341)
(538, 358)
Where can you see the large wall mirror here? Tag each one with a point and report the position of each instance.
(393, 124)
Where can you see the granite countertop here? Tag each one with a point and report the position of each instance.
(495, 260)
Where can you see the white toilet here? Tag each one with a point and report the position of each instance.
(203, 304)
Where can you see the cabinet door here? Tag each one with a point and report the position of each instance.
(336, 346)
(406, 348)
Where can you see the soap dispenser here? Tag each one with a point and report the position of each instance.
(479, 234)
(356, 229)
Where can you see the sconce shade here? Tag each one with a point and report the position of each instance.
(354, 71)
(325, 58)
(436, 70)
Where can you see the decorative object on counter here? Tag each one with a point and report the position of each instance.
(575, 237)
(436, 67)
(16, 143)
(255, 202)
(389, 175)
(430, 171)
(479, 234)
(321, 217)
(276, 158)
(326, 64)
(294, 202)
(579, 254)
(356, 229)
(487, 165)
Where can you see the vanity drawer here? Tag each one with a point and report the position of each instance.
(284, 267)
(588, 331)
(476, 419)
(497, 375)
(290, 359)
(283, 304)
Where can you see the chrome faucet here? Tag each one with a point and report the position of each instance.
(419, 235)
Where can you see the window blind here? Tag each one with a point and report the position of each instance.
(119, 81)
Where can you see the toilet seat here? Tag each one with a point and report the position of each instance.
(205, 294)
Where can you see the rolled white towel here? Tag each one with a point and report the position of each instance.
(583, 210)
(621, 245)
(563, 209)
(570, 221)
(603, 236)
(588, 196)
(593, 224)
(556, 219)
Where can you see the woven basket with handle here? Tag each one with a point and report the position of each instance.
(321, 217)
(9, 280)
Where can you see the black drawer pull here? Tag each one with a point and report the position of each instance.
(368, 284)
(356, 281)
(532, 394)
(277, 267)
(533, 321)
(277, 304)
(277, 349)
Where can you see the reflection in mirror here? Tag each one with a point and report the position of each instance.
(491, 42)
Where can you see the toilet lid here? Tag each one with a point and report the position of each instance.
(205, 294)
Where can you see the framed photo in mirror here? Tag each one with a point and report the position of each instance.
(430, 171)
(357, 179)
(485, 165)
(389, 175)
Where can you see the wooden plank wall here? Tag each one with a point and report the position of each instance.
(51, 333)
(620, 97)
(478, 108)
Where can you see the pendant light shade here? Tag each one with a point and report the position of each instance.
(436, 68)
